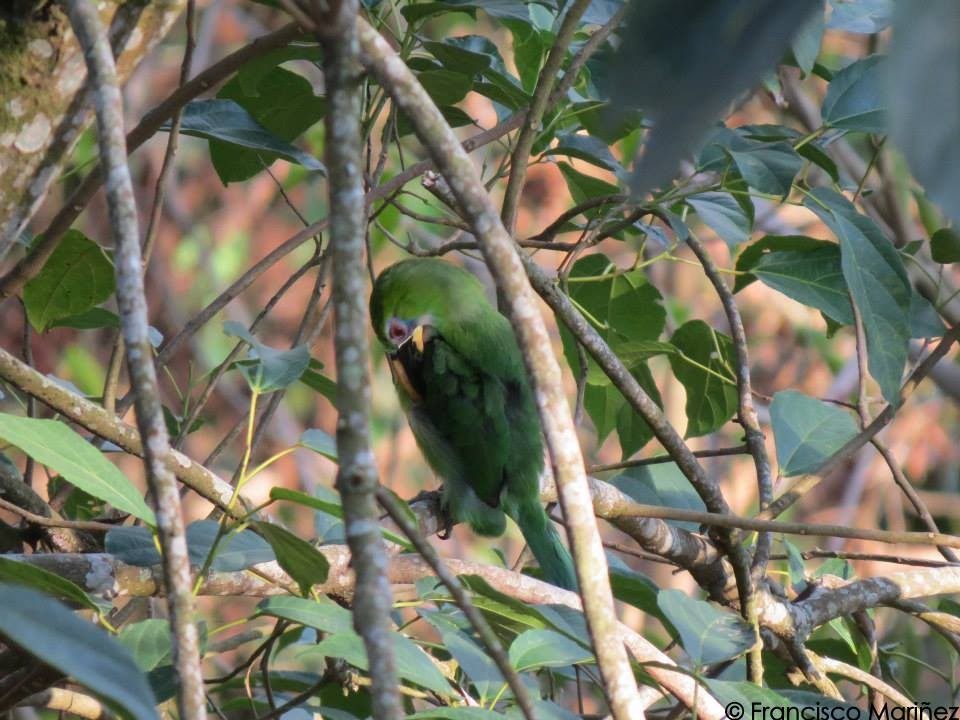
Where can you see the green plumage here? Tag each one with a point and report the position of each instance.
(464, 388)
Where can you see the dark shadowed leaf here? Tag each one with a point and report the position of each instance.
(320, 442)
(767, 167)
(229, 122)
(75, 278)
(806, 45)
(52, 443)
(945, 246)
(813, 277)
(855, 98)
(807, 431)
(236, 552)
(706, 375)
(750, 255)
(924, 77)
(661, 484)
(925, 322)
(87, 654)
(586, 148)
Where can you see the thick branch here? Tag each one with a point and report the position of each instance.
(357, 479)
(134, 326)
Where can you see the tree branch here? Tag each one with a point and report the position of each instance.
(501, 256)
(134, 326)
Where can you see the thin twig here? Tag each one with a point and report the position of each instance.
(494, 649)
(50, 522)
(640, 462)
(134, 324)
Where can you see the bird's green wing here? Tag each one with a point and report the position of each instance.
(460, 415)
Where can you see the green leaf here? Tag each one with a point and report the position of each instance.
(528, 51)
(694, 54)
(500, 609)
(722, 214)
(133, 546)
(861, 16)
(254, 72)
(320, 442)
(806, 45)
(20, 573)
(333, 509)
(471, 54)
(813, 277)
(234, 553)
(413, 664)
(149, 642)
(88, 655)
(315, 380)
(446, 87)
(855, 98)
(546, 648)
(807, 431)
(750, 255)
(945, 246)
(924, 77)
(473, 661)
(708, 633)
(270, 369)
(708, 379)
(283, 104)
(97, 317)
(227, 121)
(456, 713)
(768, 167)
(925, 322)
(585, 187)
(302, 561)
(878, 283)
(52, 443)
(586, 148)
(75, 278)
(323, 615)
(661, 484)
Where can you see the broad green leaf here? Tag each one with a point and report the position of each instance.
(255, 71)
(855, 98)
(456, 713)
(229, 122)
(708, 633)
(270, 369)
(75, 278)
(52, 443)
(88, 655)
(924, 77)
(609, 410)
(315, 380)
(529, 48)
(282, 103)
(474, 661)
(332, 508)
(546, 648)
(813, 277)
(925, 322)
(100, 317)
(632, 587)
(694, 54)
(302, 561)
(861, 16)
(133, 546)
(236, 552)
(501, 610)
(149, 642)
(807, 431)
(20, 573)
(446, 87)
(585, 187)
(413, 664)
(751, 254)
(470, 54)
(660, 484)
(320, 442)
(745, 694)
(806, 45)
(768, 167)
(722, 214)
(703, 365)
(945, 246)
(454, 116)
(878, 283)
(323, 615)
(586, 148)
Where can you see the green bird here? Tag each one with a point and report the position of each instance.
(463, 386)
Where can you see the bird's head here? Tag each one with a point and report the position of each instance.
(414, 299)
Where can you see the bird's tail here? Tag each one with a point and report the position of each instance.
(544, 540)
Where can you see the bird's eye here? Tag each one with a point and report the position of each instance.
(396, 330)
